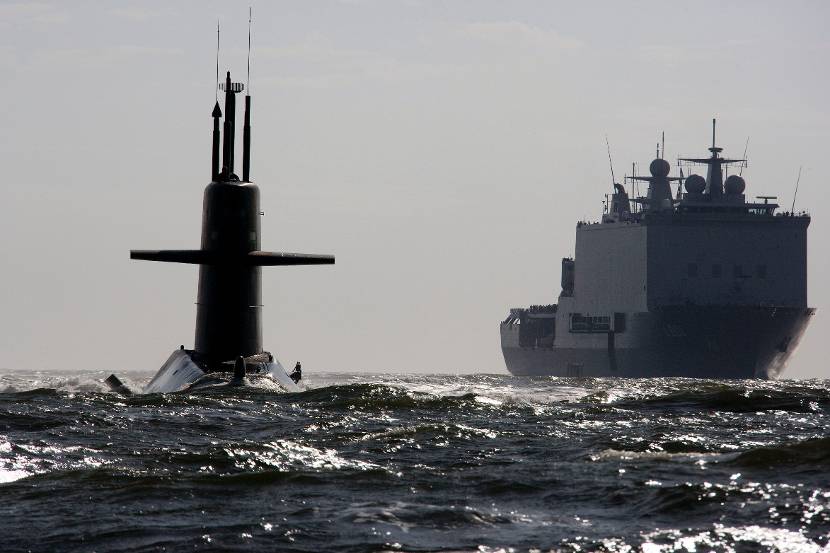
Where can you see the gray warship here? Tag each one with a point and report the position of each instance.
(703, 284)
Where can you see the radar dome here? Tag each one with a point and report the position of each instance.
(734, 185)
(695, 184)
(659, 168)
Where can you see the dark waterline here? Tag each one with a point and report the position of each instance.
(416, 463)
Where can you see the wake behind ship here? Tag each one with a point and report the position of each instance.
(702, 284)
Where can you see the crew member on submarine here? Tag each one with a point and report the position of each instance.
(297, 374)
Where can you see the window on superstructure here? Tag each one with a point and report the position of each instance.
(761, 271)
(716, 270)
(738, 271)
(692, 269)
(583, 323)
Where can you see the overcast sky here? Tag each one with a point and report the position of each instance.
(443, 151)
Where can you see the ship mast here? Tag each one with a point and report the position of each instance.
(715, 163)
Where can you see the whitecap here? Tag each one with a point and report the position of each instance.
(12, 475)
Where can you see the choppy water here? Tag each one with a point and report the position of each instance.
(416, 463)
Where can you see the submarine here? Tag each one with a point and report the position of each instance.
(228, 348)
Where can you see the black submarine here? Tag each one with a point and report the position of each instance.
(228, 343)
(705, 283)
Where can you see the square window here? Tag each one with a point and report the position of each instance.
(716, 270)
(692, 269)
(761, 271)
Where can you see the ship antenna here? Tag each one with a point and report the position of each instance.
(217, 61)
(792, 209)
(610, 163)
(664, 146)
(713, 132)
(741, 172)
(635, 186)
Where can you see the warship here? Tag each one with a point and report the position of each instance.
(228, 343)
(704, 283)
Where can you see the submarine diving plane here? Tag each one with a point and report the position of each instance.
(228, 346)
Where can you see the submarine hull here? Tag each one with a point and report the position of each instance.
(186, 370)
(686, 341)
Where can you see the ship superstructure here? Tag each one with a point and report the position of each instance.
(701, 283)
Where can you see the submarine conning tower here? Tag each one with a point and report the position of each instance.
(229, 299)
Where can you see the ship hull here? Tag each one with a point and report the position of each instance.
(685, 341)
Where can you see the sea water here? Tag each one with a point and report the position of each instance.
(363, 462)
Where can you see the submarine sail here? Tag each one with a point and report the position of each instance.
(228, 337)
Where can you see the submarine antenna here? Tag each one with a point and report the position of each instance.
(217, 61)
(217, 113)
(743, 165)
(246, 129)
(610, 163)
(792, 209)
(249, 51)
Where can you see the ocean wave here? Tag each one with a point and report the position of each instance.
(718, 396)
(625, 455)
(729, 538)
(370, 397)
(22, 422)
(45, 382)
(428, 430)
(470, 396)
(812, 453)
(405, 515)
(18, 461)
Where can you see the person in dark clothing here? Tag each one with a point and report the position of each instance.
(297, 374)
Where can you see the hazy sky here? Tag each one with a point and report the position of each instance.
(443, 151)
